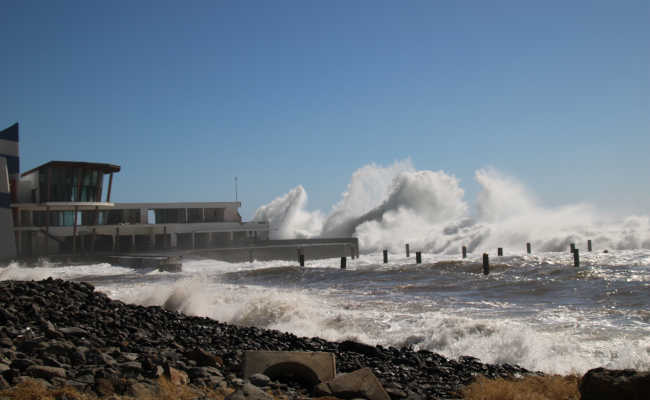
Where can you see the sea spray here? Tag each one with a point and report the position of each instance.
(386, 207)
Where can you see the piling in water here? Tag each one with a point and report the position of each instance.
(344, 262)
(464, 252)
(486, 264)
(589, 245)
(408, 250)
(500, 251)
(301, 259)
(385, 256)
(528, 248)
(418, 257)
(576, 258)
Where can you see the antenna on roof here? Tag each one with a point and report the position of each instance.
(235, 188)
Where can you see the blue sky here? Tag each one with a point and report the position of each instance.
(187, 95)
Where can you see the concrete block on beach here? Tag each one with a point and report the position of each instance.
(361, 383)
(312, 367)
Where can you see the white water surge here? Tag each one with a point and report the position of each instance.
(386, 207)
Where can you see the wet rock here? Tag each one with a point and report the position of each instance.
(361, 383)
(356, 347)
(175, 376)
(73, 331)
(395, 393)
(601, 384)
(260, 380)
(202, 358)
(248, 392)
(44, 372)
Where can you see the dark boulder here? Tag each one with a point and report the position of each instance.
(605, 384)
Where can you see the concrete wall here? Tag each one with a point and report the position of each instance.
(231, 215)
(7, 239)
(27, 184)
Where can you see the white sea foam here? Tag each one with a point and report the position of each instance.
(386, 207)
(45, 269)
(558, 340)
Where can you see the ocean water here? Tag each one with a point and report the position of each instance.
(536, 310)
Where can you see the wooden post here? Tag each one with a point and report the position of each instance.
(344, 262)
(486, 264)
(92, 245)
(385, 256)
(116, 241)
(418, 257)
(250, 256)
(528, 248)
(589, 245)
(301, 259)
(464, 251)
(408, 250)
(573, 247)
(166, 241)
(576, 258)
(500, 251)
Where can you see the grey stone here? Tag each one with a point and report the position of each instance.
(44, 372)
(601, 384)
(260, 380)
(73, 331)
(360, 383)
(396, 393)
(22, 364)
(248, 392)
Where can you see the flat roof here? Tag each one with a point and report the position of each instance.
(105, 168)
(64, 206)
(158, 206)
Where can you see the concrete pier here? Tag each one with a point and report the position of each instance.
(162, 262)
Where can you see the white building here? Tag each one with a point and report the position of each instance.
(58, 208)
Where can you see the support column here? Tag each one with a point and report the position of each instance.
(47, 227)
(74, 232)
(92, 244)
(110, 186)
(19, 243)
(116, 239)
(193, 240)
(49, 186)
(173, 240)
(152, 242)
(132, 243)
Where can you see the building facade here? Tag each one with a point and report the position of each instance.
(59, 208)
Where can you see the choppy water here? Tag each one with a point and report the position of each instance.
(536, 310)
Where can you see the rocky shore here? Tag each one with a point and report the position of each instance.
(67, 334)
